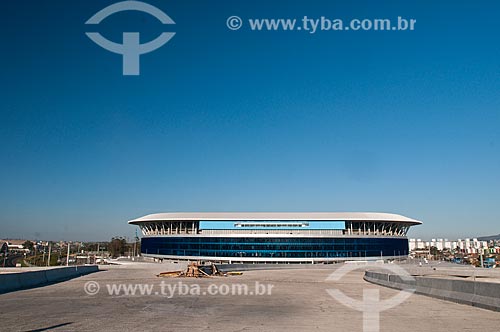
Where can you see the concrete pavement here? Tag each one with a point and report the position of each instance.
(298, 302)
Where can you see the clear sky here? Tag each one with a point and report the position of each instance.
(220, 120)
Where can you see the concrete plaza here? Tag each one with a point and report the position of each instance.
(298, 302)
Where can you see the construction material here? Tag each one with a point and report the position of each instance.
(169, 274)
(196, 270)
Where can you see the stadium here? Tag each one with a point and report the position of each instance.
(261, 237)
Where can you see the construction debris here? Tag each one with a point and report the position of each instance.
(196, 270)
(169, 274)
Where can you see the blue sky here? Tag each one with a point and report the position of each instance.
(219, 120)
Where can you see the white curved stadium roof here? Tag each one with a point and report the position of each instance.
(221, 216)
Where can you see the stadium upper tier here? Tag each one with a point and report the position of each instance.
(275, 223)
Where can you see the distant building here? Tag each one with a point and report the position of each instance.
(469, 246)
(13, 246)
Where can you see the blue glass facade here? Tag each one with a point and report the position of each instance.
(273, 224)
(286, 247)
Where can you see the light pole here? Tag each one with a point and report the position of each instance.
(136, 239)
(95, 259)
(50, 249)
(5, 253)
(67, 256)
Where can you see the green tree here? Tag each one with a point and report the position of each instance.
(90, 246)
(117, 247)
(28, 245)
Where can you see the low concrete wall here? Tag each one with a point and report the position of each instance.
(10, 282)
(480, 294)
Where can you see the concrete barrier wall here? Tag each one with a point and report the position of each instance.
(481, 294)
(10, 282)
(32, 279)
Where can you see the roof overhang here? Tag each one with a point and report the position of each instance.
(249, 216)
